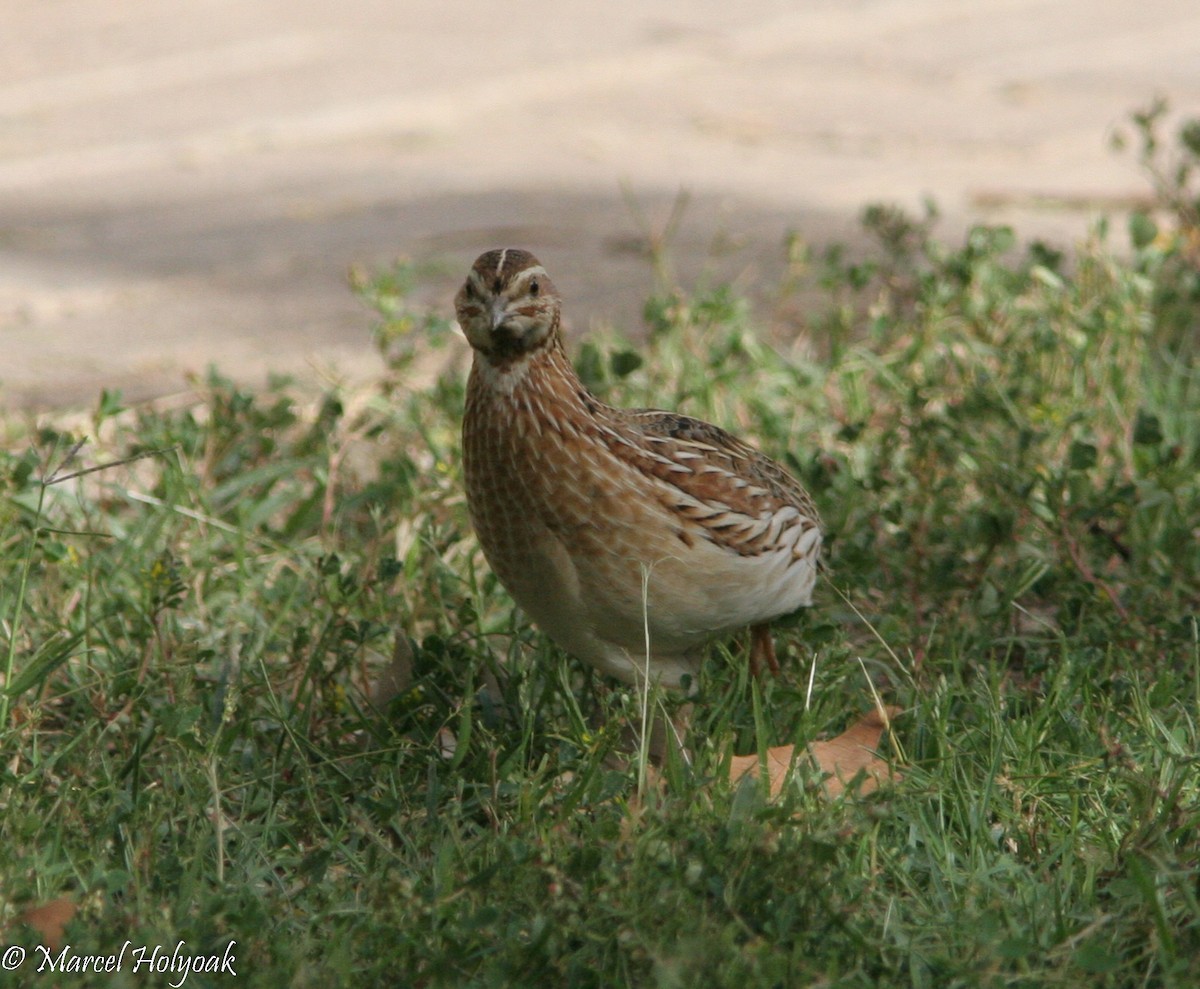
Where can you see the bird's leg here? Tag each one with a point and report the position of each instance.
(762, 648)
(665, 738)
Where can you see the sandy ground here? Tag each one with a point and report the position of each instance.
(190, 182)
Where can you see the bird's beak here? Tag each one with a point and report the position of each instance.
(498, 314)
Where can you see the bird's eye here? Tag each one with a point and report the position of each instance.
(534, 288)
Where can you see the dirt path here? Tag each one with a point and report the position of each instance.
(189, 183)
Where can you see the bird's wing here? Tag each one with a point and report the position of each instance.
(735, 495)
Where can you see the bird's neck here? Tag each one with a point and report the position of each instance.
(542, 379)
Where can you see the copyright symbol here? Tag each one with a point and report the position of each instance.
(12, 958)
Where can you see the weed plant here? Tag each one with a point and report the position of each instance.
(1005, 445)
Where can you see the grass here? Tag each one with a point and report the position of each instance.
(1005, 445)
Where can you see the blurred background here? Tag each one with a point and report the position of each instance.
(190, 182)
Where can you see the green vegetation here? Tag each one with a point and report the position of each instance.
(1005, 445)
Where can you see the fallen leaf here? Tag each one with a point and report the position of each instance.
(841, 758)
(49, 920)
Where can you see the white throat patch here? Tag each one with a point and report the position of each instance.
(502, 380)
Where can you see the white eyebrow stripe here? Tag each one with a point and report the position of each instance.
(494, 277)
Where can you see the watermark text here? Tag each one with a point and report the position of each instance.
(141, 959)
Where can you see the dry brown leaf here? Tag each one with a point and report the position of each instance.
(49, 920)
(842, 758)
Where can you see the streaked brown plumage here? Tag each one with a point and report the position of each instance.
(630, 536)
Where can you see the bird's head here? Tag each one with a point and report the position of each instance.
(508, 306)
